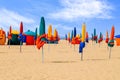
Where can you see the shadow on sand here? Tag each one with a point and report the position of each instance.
(2, 52)
(95, 59)
(115, 58)
(63, 61)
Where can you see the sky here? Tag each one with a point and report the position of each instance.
(63, 15)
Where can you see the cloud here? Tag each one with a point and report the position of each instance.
(12, 18)
(61, 27)
(75, 9)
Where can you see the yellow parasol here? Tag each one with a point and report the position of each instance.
(15, 32)
(50, 31)
(55, 33)
(83, 32)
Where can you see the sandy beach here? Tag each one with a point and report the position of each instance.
(61, 62)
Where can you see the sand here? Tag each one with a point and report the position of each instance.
(61, 62)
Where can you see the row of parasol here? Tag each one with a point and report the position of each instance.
(39, 39)
(83, 38)
(29, 37)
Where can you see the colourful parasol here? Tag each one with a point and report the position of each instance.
(82, 44)
(111, 41)
(68, 37)
(87, 37)
(49, 36)
(107, 37)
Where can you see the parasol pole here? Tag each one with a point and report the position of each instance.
(48, 45)
(110, 53)
(42, 55)
(82, 56)
(107, 47)
(20, 46)
(74, 47)
(34, 43)
(9, 43)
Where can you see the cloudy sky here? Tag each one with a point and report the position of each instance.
(64, 15)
